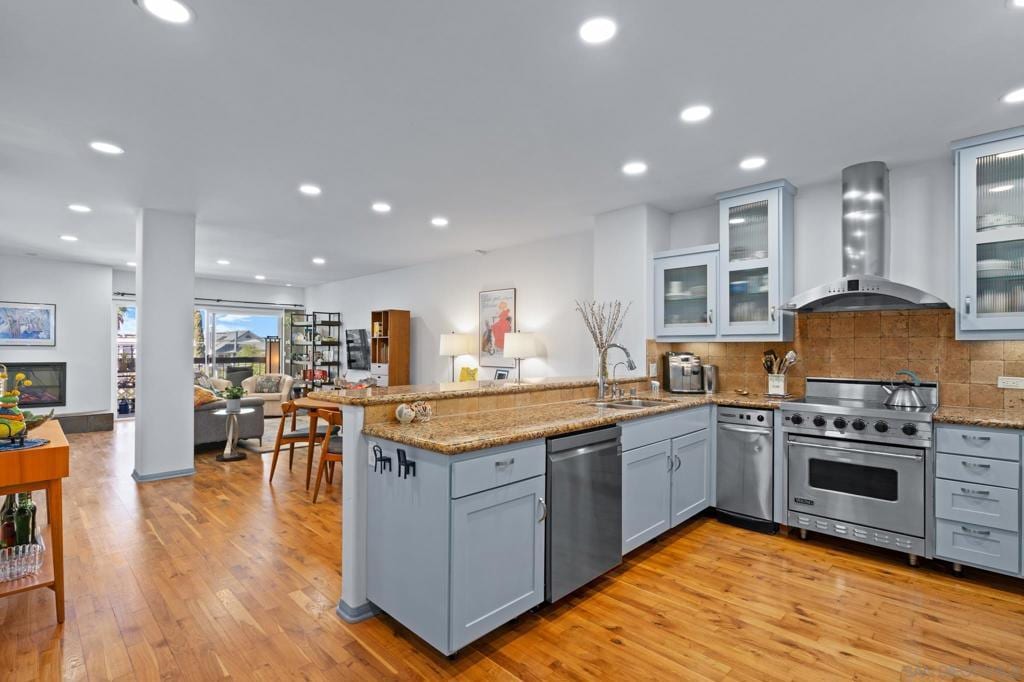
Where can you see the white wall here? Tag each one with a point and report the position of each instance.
(922, 229)
(443, 296)
(81, 293)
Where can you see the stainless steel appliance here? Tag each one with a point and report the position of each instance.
(584, 496)
(744, 468)
(858, 468)
(683, 372)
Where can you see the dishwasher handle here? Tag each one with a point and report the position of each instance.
(761, 431)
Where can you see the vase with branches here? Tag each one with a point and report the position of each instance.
(604, 322)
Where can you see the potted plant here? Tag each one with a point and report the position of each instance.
(233, 396)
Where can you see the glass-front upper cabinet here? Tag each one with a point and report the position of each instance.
(756, 244)
(685, 288)
(990, 225)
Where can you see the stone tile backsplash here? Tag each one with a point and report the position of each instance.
(873, 345)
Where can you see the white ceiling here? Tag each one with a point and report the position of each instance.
(492, 113)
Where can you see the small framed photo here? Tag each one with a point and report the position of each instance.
(28, 324)
(500, 374)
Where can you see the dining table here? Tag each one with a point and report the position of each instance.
(312, 408)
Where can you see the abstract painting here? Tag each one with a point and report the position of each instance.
(28, 324)
(497, 318)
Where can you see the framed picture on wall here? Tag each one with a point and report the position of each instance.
(28, 324)
(497, 318)
(500, 374)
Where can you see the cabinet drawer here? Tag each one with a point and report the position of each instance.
(640, 432)
(986, 505)
(378, 368)
(504, 466)
(382, 380)
(967, 543)
(991, 443)
(978, 470)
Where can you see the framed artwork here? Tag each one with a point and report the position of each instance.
(500, 374)
(497, 318)
(28, 324)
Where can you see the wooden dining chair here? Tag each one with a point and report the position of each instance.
(330, 449)
(295, 435)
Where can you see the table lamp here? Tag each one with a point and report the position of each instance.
(518, 346)
(453, 345)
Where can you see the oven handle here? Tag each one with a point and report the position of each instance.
(860, 452)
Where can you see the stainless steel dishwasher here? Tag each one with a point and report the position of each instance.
(584, 524)
(744, 468)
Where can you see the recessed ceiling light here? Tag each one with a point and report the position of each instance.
(439, 221)
(287, 284)
(79, 208)
(223, 261)
(381, 207)
(171, 11)
(260, 277)
(634, 168)
(105, 147)
(1001, 188)
(695, 114)
(310, 190)
(319, 261)
(69, 237)
(1015, 4)
(737, 221)
(598, 30)
(1014, 96)
(752, 163)
(131, 264)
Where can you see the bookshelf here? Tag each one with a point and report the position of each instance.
(389, 347)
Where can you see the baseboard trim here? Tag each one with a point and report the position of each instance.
(356, 614)
(161, 475)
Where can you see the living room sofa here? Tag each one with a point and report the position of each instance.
(271, 399)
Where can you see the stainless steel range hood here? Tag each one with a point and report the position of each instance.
(865, 284)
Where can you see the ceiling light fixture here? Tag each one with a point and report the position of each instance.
(752, 163)
(634, 168)
(105, 148)
(319, 261)
(223, 261)
(79, 208)
(287, 284)
(1001, 188)
(1015, 4)
(69, 237)
(171, 11)
(131, 264)
(310, 190)
(260, 277)
(695, 114)
(439, 221)
(1014, 96)
(598, 30)
(381, 207)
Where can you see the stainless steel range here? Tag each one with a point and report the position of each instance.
(857, 468)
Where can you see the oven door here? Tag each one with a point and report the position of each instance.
(881, 486)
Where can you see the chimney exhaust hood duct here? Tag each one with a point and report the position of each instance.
(865, 284)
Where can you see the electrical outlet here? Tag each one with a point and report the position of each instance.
(652, 369)
(1010, 382)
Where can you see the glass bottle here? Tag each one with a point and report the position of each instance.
(25, 519)
(8, 534)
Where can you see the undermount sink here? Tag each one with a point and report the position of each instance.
(628, 404)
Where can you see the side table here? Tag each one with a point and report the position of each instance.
(232, 450)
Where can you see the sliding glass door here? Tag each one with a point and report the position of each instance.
(235, 344)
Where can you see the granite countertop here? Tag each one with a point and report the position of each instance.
(976, 416)
(382, 395)
(455, 434)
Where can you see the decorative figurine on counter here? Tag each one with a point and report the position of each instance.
(12, 420)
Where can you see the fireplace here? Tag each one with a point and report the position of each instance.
(49, 383)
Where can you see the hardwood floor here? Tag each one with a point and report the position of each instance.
(222, 576)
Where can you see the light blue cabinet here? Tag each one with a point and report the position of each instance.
(497, 558)
(756, 261)
(646, 490)
(686, 292)
(455, 544)
(691, 476)
(990, 235)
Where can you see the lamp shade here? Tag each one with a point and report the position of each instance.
(521, 345)
(456, 344)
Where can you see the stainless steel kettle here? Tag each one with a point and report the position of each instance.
(903, 395)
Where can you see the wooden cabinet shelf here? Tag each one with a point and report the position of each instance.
(389, 347)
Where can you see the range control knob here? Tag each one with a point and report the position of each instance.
(839, 423)
(881, 427)
(760, 417)
(858, 424)
(796, 419)
(910, 429)
(819, 421)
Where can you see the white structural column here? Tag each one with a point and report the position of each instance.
(165, 245)
(353, 606)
